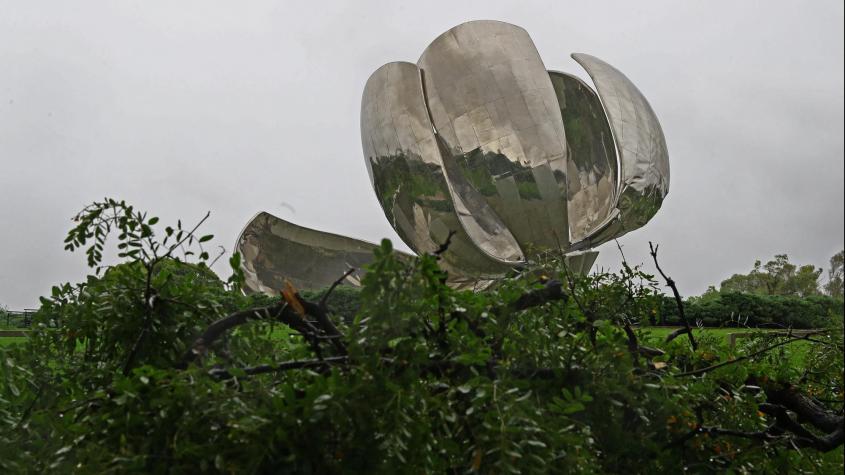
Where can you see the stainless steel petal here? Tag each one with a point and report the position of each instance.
(405, 163)
(273, 250)
(643, 156)
(493, 104)
(580, 262)
(592, 165)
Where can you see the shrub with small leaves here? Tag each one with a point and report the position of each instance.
(154, 365)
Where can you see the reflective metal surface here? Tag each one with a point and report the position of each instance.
(492, 102)
(273, 250)
(592, 169)
(404, 160)
(479, 140)
(643, 156)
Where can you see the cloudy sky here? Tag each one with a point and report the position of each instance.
(236, 107)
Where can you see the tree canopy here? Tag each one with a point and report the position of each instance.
(776, 277)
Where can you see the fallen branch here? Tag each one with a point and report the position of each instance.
(324, 300)
(676, 333)
(280, 311)
(552, 291)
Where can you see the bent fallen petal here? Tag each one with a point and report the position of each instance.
(273, 250)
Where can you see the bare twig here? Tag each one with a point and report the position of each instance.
(677, 333)
(340, 280)
(550, 292)
(678, 301)
(445, 246)
(221, 373)
(318, 311)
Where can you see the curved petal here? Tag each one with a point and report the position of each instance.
(643, 157)
(592, 168)
(493, 104)
(404, 159)
(273, 250)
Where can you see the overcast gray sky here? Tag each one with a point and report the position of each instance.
(236, 107)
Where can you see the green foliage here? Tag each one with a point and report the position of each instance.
(776, 277)
(540, 374)
(834, 286)
(736, 309)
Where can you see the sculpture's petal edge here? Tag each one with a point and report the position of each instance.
(641, 145)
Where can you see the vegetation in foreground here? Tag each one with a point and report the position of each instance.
(156, 366)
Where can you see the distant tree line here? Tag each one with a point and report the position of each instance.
(775, 294)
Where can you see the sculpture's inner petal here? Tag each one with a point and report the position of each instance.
(643, 157)
(493, 104)
(592, 164)
(404, 158)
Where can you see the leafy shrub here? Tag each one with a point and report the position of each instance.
(731, 309)
(542, 373)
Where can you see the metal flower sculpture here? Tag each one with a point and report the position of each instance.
(479, 140)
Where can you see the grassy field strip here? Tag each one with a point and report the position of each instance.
(10, 340)
(651, 333)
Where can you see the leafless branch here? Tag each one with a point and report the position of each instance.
(331, 289)
(678, 300)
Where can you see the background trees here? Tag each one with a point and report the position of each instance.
(834, 282)
(780, 277)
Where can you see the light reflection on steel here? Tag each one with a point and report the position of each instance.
(479, 140)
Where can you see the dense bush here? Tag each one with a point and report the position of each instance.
(541, 374)
(735, 309)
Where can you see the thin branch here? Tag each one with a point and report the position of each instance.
(326, 324)
(745, 357)
(340, 280)
(445, 246)
(186, 236)
(678, 301)
(552, 291)
(222, 252)
(677, 333)
(221, 373)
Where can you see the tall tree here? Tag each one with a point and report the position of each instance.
(776, 277)
(834, 286)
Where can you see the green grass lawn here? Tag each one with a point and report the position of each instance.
(660, 333)
(653, 335)
(797, 352)
(11, 340)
